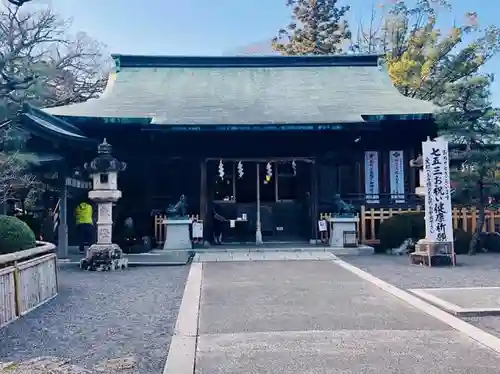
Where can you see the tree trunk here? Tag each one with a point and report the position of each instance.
(480, 222)
(475, 238)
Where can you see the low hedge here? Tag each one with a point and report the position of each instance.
(395, 230)
(462, 241)
(15, 235)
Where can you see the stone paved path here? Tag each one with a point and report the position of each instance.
(316, 317)
(482, 270)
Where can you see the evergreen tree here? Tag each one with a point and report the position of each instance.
(318, 27)
(472, 128)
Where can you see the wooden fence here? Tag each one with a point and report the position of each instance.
(464, 218)
(160, 228)
(28, 279)
(370, 220)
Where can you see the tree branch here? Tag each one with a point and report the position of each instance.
(18, 3)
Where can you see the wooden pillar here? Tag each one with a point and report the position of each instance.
(203, 195)
(412, 172)
(360, 171)
(314, 201)
(258, 229)
(384, 181)
(62, 228)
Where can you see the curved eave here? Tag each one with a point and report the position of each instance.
(108, 120)
(52, 128)
(398, 117)
(146, 124)
(137, 61)
(149, 123)
(145, 121)
(41, 159)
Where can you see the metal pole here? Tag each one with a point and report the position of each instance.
(258, 232)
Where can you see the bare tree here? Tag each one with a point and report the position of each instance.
(370, 37)
(18, 2)
(43, 64)
(13, 175)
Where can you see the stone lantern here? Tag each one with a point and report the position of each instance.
(104, 255)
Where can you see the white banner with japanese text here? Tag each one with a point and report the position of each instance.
(371, 177)
(438, 213)
(397, 176)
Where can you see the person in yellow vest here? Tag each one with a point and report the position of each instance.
(84, 224)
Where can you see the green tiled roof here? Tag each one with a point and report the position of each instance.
(247, 90)
(49, 127)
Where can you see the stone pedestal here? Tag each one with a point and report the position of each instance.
(339, 226)
(104, 257)
(431, 253)
(177, 234)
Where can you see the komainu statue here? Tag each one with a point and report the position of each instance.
(179, 209)
(342, 208)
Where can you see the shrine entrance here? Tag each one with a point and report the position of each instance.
(260, 200)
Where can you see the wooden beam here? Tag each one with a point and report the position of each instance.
(265, 160)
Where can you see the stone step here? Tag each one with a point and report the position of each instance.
(244, 249)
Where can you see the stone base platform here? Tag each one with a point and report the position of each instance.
(264, 256)
(463, 302)
(360, 250)
(104, 257)
(423, 258)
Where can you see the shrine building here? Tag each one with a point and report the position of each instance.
(285, 134)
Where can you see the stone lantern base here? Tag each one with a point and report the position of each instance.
(104, 257)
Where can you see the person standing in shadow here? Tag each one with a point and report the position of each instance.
(218, 224)
(84, 224)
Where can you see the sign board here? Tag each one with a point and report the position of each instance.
(322, 225)
(197, 230)
(397, 176)
(371, 177)
(438, 213)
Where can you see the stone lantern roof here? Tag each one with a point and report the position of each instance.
(104, 162)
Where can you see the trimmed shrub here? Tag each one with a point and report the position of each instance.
(35, 224)
(489, 242)
(461, 241)
(395, 230)
(15, 235)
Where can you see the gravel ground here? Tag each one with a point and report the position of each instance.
(471, 271)
(99, 316)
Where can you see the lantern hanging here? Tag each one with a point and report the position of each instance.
(221, 170)
(240, 169)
